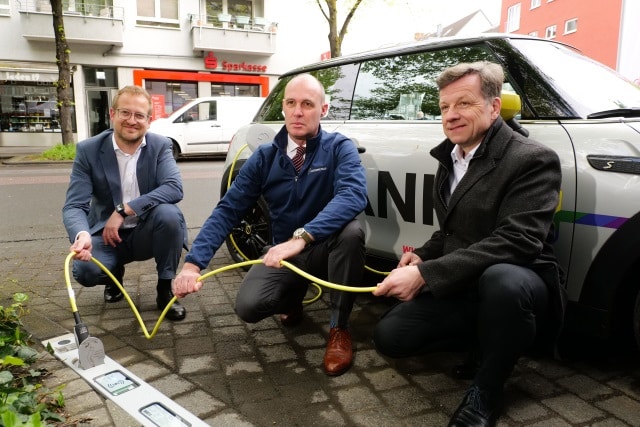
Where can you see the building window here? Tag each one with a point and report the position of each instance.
(4, 7)
(535, 4)
(218, 89)
(550, 32)
(513, 18)
(571, 26)
(175, 94)
(533, 34)
(163, 13)
(30, 107)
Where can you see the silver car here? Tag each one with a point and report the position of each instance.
(387, 101)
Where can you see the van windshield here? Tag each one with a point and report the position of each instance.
(587, 85)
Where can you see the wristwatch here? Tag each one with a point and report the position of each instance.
(120, 210)
(301, 233)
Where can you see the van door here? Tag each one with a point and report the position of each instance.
(202, 130)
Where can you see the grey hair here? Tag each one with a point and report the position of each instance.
(491, 76)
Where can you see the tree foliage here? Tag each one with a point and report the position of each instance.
(64, 93)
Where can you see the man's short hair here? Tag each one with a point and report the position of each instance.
(134, 91)
(491, 77)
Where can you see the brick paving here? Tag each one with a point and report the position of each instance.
(230, 373)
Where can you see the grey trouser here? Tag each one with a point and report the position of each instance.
(160, 236)
(339, 259)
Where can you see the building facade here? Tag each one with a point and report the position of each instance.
(177, 49)
(605, 30)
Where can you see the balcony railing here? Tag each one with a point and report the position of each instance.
(86, 23)
(253, 36)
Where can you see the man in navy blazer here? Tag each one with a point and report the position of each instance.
(121, 202)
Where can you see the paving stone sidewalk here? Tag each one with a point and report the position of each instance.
(229, 373)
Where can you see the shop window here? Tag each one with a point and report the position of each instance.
(162, 13)
(234, 90)
(30, 108)
(175, 94)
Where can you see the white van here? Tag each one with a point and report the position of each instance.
(206, 125)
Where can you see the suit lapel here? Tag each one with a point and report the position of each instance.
(111, 171)
(141, 169)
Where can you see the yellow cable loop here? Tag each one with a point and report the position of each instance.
(148, 335)
(237, 248)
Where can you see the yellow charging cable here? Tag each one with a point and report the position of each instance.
(287, 264)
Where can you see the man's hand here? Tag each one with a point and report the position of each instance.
(409, 258)
(186, 282)
(82, 246)
(284, 250)
(110, 234)
(403, 283)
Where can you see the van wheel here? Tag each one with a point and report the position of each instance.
(636, 320)
(248, 238)
(175, 149)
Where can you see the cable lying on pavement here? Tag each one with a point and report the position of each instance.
(82, 332)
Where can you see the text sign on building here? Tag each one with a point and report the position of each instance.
(211, 62)
(18, 76)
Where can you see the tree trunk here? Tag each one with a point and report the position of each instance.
(63, 85)
(331, 15)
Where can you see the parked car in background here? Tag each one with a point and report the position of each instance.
(206, 125)
(586, 112)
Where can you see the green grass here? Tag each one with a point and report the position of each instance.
(59, 152)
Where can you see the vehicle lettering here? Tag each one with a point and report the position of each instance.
(609, 165)
(406, 206)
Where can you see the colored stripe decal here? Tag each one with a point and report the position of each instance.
(596, 220)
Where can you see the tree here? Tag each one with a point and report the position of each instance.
(331, 15)
(63, 85)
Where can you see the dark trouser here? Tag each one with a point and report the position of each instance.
(160, 236)
(340, 259)
(502, 318)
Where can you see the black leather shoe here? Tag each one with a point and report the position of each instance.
(112, 292)
(479, 408)
(176, 311)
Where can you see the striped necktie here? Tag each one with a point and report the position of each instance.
(298, 159)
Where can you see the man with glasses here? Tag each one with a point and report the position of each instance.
(121, 202)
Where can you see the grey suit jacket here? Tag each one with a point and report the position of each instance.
(501, 212)
(94, 189)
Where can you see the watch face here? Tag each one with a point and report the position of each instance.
(299, 232)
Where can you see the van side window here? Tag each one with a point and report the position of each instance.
(403, 87)
(338, 83)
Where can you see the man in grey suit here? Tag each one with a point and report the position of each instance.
(488, 276)
(121, 202)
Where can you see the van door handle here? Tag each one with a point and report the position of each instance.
(215, 126)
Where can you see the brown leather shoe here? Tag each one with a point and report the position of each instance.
(339, 354)
(292, 318)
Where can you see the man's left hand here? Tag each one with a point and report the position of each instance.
(284, 250)
(403, 283)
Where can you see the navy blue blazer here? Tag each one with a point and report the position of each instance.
(94, 189)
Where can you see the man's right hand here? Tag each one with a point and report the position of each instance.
(186, 282)
(82, 246)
